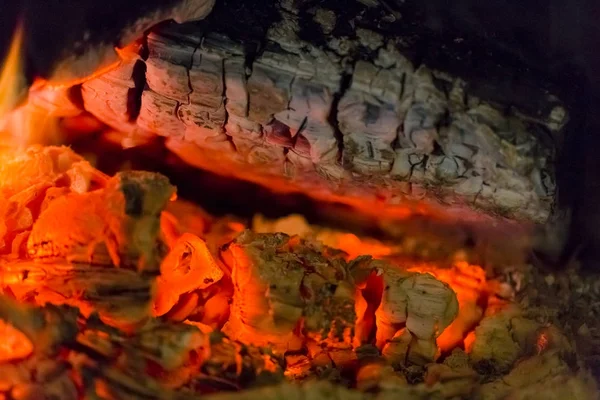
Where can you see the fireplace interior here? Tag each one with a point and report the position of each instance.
(367, 199)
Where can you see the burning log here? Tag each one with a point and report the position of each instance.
(274, 119)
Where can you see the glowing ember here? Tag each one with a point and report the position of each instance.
(14, 345)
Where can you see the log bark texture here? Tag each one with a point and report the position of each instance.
(347, 117)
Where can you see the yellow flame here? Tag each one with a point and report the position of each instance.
(31, 122)
(12, 80)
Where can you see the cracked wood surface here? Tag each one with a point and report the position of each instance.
(296, 116)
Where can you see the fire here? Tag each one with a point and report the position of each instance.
(41, 119)
(28, 123)
(11, 75)
(196, 284)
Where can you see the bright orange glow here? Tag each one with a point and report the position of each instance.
(14, 345)
(189, 266)
(469, 341)
(12, 80)
(355, 246)
(541, 343)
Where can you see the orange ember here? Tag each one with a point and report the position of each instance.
(14, 345)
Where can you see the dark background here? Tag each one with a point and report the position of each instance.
(517, 43)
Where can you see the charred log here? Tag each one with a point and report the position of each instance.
(358, 129)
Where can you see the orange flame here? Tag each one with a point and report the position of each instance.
(12, 80)
(19, 126)
(40, 119)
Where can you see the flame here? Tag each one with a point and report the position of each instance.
(40, 119)
(11, 76)
(18, 127)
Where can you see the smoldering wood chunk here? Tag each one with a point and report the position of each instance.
(118, 223)
(514, 343)
(240, 363)
(224, 364)
(30, 179)
(411, 309)
(190, 284)
(471, 288)
(158, 360)
(42, 373)
(281, 280)
(47, 328)
(501, 339)
(163, 358)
